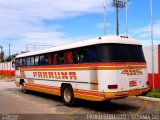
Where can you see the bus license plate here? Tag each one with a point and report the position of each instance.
(132, 83)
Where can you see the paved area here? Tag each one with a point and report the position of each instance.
(14, 102)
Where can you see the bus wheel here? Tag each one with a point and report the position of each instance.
(68, 95)
(24, 90)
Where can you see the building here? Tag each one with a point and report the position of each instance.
(148, 55)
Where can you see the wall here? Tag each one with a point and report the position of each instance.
(7, 68)
(148, 56)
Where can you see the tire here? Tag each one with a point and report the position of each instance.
(24, 90)
(67, 95)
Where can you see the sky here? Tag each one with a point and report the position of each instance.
(33, 23)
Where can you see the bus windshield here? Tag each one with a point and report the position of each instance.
(120, 53)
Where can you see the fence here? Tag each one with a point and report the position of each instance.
(7, 68)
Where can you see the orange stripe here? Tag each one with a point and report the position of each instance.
(85, 68)
(89, 65)
(88, 97)
(89, 93)
(42, 86)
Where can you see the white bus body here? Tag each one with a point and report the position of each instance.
(114, 67)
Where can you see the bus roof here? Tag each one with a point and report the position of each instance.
(94, 41)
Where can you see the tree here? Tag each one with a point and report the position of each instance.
(8, 59)
(2, 56)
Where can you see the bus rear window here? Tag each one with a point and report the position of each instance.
(120, 53)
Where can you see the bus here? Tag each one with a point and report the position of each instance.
(99, 69)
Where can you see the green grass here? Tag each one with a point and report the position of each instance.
(154, 93)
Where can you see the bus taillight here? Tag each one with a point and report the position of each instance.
(112, 86)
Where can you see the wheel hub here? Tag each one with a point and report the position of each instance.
(67, 95)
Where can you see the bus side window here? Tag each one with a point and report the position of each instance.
(81, 55)
(36, 60)
(86, 54)
(65, 58)
(28, 61)
(32, 61)
(60, 58)
(48, 60)
(55, 58)
(20, 62)
(17, 64)
(41, 60)
(92, 54)
(24, 62)
(68, 57)
(76, 56)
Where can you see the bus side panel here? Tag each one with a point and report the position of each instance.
(85, 79)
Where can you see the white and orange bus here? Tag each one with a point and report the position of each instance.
(99, 69)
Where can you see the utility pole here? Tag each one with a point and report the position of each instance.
(104, 6)
(126, 2)
(152, 42)
(117, 4)
(9, 50)
(117, 21)
(1, 53)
